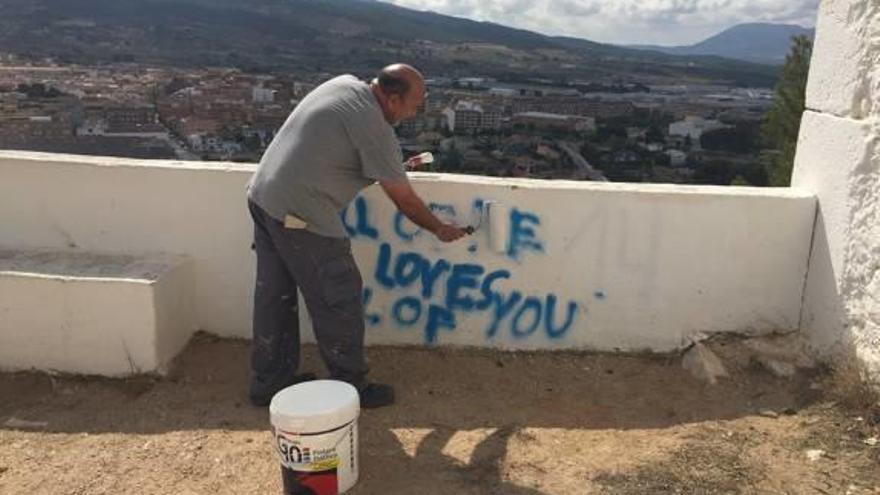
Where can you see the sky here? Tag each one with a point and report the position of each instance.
(626, 22)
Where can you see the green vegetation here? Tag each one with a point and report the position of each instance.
(780, 131)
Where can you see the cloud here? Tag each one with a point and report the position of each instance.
(578, 8)
(668, 22)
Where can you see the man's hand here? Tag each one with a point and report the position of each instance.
(409, 203)
(448, 232)
(413, 163)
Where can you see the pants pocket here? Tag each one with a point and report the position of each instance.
(340, 282)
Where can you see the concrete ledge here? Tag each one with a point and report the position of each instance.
(93, 313)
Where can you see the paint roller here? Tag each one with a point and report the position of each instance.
(496, 212)
(420, 159)
(497, 215)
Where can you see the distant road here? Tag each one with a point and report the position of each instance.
(38, 69)
(180, 148)
(582, 164)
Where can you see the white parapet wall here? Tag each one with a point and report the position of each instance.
(560, 264)
(77, 312)
(838, 159)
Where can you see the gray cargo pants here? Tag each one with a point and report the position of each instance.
(325, 271)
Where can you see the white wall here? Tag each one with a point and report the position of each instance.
(644, 266)
(838, 159)
(625, 266)
(134, 207)
(93, 314)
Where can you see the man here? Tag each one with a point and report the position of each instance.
(337, 141)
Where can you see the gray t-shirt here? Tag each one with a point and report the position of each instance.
(335, 143)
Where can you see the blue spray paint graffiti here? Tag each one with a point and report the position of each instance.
(435, 292)
(522, 234)
(466, 288)
(407, 232)
(362, 225)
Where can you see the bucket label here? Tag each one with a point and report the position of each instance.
(299, 457)
(320, 463)
(307, 470)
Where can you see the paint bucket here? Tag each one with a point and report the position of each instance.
(315, 431)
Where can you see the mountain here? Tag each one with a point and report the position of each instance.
(756, 42)
(312, 36)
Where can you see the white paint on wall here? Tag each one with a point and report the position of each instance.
(643, 266)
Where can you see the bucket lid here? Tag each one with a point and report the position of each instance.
(315, 406)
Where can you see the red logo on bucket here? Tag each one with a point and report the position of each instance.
(310, 483)
(315, 464)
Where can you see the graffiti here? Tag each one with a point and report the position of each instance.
(362, 226)
(407, 232)
(442, 290)
(522, 234)
(433, 294)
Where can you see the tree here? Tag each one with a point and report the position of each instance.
(783, 123)
(739, 180)
(738, 139)
(452, 159)
(655, 134)
(38, 90)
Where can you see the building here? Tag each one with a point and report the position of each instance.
(492, 118)
(469, 116)
(20, 130)
(127, 115)
(544, 120)
(503, 92)
(694, 127)
(473, 82)
(262, 95)
(572, 106)
(466, 117)
(677, 158)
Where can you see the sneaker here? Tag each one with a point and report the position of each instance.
(375, 395)
(263, 399)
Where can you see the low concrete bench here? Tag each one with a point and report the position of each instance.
(93, 313)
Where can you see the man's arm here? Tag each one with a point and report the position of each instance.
(411, 205)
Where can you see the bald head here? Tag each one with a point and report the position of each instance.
(399, 79)
(400, 90)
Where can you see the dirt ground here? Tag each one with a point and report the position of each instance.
(466, 422)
